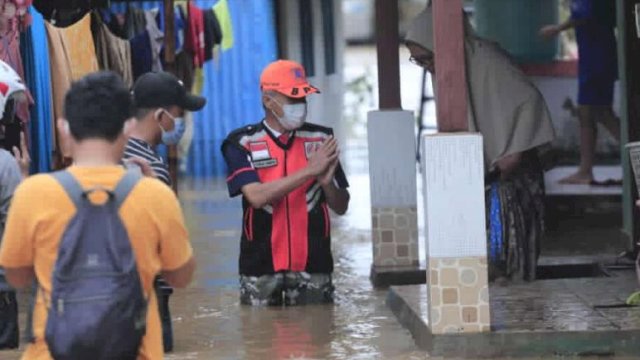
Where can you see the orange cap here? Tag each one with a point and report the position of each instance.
(288, 78)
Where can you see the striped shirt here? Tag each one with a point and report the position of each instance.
(137, 148)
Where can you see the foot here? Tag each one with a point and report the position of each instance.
(578, 178)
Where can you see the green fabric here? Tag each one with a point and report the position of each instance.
(224, 18)
(634, 299)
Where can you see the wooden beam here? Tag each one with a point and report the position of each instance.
(170, 66)
(451, 84)
(388, 44)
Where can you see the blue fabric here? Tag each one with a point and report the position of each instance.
(35, 56)
(241, 172)
(595, 92)
(496, 241)
(141, 54)
(596, 41)
(231, 84)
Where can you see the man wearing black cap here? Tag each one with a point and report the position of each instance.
(160, 101)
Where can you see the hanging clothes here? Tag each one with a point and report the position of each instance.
(72, 55)
(221, 8)
(185, 71)
(10, 53)
(212, 33)
(180, 25)
(113, 52)
(115, 22)
(156, 38)
(135, 22)
(141, 55)
(194, 39)
(63, 13)
(38, 79)
(80, 47)
(61, 78)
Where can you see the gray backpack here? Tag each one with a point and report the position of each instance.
(98, 309)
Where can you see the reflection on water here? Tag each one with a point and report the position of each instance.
(210, 323)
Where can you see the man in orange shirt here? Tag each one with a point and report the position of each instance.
(98, 119)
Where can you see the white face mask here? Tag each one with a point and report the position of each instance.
(294, 115)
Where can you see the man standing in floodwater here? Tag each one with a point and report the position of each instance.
(289, 176)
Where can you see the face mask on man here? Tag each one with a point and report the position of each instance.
(173, 137)
(294, 115)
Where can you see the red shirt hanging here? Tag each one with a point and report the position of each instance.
(194, 42)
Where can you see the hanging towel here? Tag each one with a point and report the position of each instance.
(38, 80)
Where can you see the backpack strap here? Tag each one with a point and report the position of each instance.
(124, 187)
(71, 186)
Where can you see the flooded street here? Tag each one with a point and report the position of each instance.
(208, 320)
(210, 323)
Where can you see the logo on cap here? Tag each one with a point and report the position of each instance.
(298, 73)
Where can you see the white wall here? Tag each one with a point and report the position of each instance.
(556, 91)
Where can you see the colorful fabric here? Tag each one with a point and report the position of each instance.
(38, 80)
(514, 253)
(194, 39)
(221, 8)
(10, 53)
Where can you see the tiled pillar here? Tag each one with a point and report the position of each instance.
(393, 188)
(395, 236)
(457, 278)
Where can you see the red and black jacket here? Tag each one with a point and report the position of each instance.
(293, 234)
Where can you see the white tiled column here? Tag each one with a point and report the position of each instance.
(392, 171)
(457, 278)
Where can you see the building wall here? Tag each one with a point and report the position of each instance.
(324, 109)
(556, 90)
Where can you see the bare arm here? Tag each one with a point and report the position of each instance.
(337, 198)
(551, 31)
(182, 276)
(20, 278)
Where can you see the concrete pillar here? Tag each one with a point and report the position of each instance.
(457, 274)
(392, 172)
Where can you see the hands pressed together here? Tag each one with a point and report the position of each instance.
(324, 160)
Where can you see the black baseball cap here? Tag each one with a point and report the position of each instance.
(160, 89)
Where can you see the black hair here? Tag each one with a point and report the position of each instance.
(97, 106)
